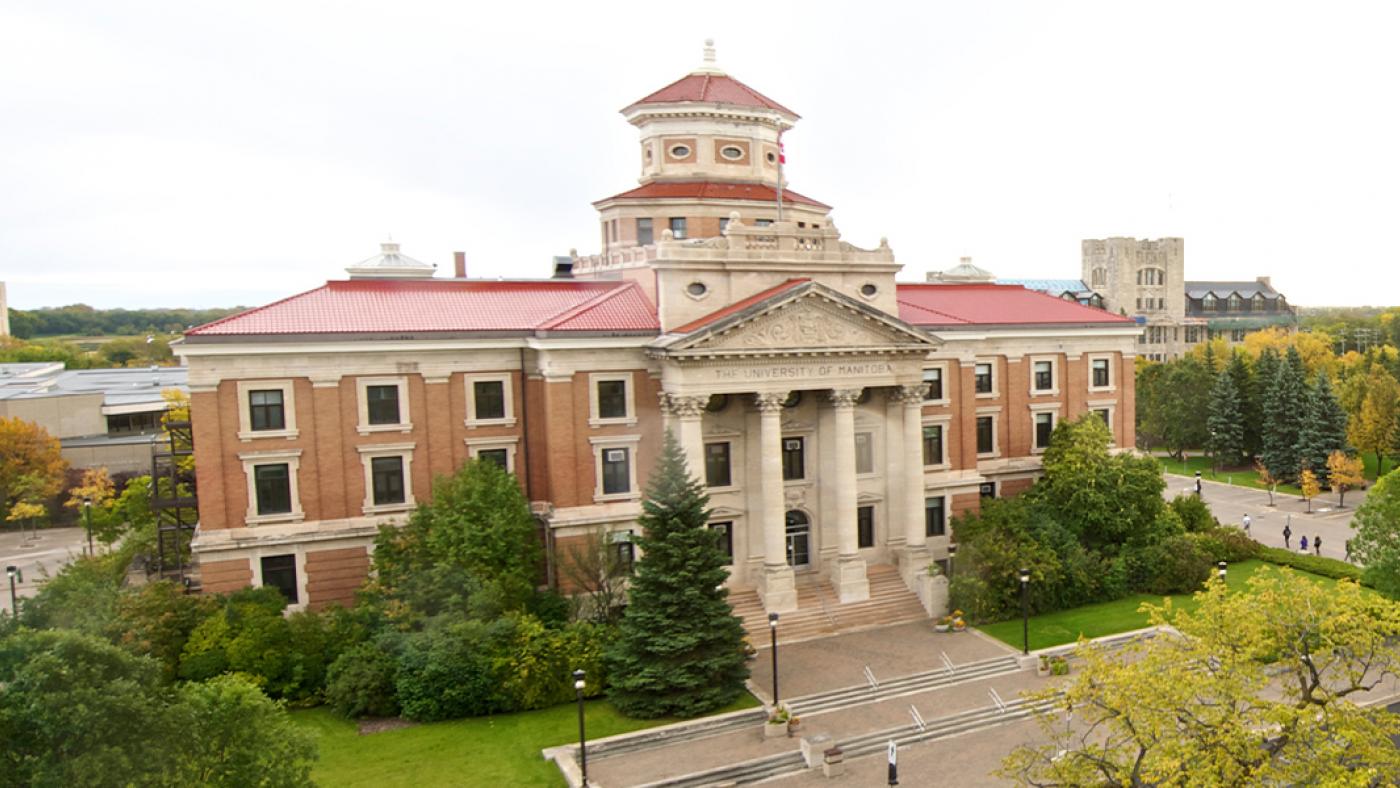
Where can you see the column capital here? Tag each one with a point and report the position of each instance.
(845, 398)
(911, 395)
(682, 405)
(770, 401)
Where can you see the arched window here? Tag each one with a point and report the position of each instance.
(1099, 278)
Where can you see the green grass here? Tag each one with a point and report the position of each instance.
(1110, 618)
(487, 751)
(1248, 477)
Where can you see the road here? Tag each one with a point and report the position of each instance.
(38, 559)
(1230, 504)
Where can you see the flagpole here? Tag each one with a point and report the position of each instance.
(781, 159)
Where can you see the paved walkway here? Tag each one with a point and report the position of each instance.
(1230, 503)
(39, 559)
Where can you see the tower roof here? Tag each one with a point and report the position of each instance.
(390, 263)
(709, 85)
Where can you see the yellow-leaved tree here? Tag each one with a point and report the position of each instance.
(1373, 427)
(1307, 482)
(31, 465)
(1344, 472)
(1257, 689)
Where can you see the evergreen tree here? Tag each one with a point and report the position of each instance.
(1209, 359)
(1329, 415)
(1284, 410)
(1312, 445)
(679, 646)
(1250, 421)
(1225, 422)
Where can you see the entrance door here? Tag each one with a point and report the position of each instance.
(799, 532)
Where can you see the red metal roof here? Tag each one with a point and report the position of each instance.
(991, 304)
(376, 306)
(713, 190)
(712, 89)
(737, 306)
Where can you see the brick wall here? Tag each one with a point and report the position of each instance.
(333, 576)
(222, 577)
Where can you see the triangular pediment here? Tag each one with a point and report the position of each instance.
(809, 317)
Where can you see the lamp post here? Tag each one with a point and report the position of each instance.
(87, 520)
(15, 574)
(952, 551)
(1220, 567)
(773, 643)
(582, 738)
(1025, 611)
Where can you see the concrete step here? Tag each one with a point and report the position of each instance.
(671, 734)
(902, 685)
(820, 612)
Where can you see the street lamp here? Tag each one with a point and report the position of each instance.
(773, 643)
(1220, 567)
(1025, 611)
(582, 738)
(87, 518)
(15, 574)
(952, 551)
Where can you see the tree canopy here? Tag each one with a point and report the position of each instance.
(31, 465)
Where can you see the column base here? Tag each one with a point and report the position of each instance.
(913, 567)
(779, 589)
(849, 580)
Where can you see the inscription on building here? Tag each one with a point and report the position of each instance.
(806, 371)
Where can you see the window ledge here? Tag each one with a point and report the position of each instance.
(728, 488)
(942, 403)
(1045, 392)
(988, 395)
(474, 423)
(369, 429)
(991, 455)
(389, 508)
(252, 435)
(615, 497)
(269, 519)
(942, 466)
(1102, 388)
(625, 422)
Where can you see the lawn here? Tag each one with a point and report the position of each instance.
(1109, 618)
(485, 751)
(1248, 477)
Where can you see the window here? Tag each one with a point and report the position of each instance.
(265, 410)
(794, 461)
(696, 289)
(1098, 278)
(723, 225)
(612, 399)
(933, 444)
(387, 476)
(1044, 375)
(1208, 302)
(865, 452)
(982, 375)
(678, 227)
(1098, 370)
(1234, 303)
(1237, 334)
(134, 423)
(1044, 427)
(644, 232)
(987, 489)
(763, 223)
(617, 471)
(986, 435)
(724, 532)
(934, 379)
(273, 483)
(732, 152)
(1107, 419)
(717, 464)
(488, 400)
(280, 572)
(680, 151)
(865, 526)
(935, 520)
(869, 290)
(383, 404)
(500, 457)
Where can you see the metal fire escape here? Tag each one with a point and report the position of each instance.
(174, 502)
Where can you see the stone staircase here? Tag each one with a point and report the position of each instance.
(820, 614)
(847, 697)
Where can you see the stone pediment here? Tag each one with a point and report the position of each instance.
(810, 318)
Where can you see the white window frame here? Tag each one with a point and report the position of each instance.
(508, 442)
(1036, 410)
(1054, 390)
(995, 413)
(874, 453)
(289, 430)
(602, 444)
(594, 378)
(405, 423)
(251, 459)
(367, 455)
(504, 379)
(943, 371)
(1112, 378)
(996, 383)
(1111, 406)
(255, 565)
(945, 422)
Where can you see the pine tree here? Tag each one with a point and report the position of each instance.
(1330, 415)
(1240, 372)
(1312, 448)
(679, 649)
(1225, 423)
(1284, 411)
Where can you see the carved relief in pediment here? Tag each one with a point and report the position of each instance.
(805, 323)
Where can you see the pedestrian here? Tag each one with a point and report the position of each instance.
(1303, 542)
(1247, 521)
(1348, 550)
(1287, 534)
(1317, 545)
(1198, 484)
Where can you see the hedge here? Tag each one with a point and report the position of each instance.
(1327, 567)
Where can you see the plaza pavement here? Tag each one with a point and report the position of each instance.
(39, 558)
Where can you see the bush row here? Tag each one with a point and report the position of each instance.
(1327, 567)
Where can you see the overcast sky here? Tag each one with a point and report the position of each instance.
(210, 154)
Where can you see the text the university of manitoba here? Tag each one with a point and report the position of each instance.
(796, 372)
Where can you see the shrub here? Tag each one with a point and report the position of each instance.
(969, 593)
(539, 666)
(82, 596)
(1226, 544)
(156, 620)
(231, 735)
(1175, 565)
(1327, 567)
(452, 671)
(360, 683)
(1194, 513)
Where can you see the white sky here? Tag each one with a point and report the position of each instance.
(208, 154)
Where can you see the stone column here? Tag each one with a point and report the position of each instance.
(688, 411)
(779, 588)
(849, 576)
(915, 542)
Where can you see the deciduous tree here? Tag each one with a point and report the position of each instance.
(31, 464)
(1344, 472)
(1374, 427)
(1307, 482)
(1376, 545)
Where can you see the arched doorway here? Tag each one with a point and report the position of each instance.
(799, 539)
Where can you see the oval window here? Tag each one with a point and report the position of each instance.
(732, 152)
(793, 398)
(680, 151)
(868, 290)
(696, 289)
(717, 403)
(772, 157)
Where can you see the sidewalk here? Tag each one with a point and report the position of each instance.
(1229, 504)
